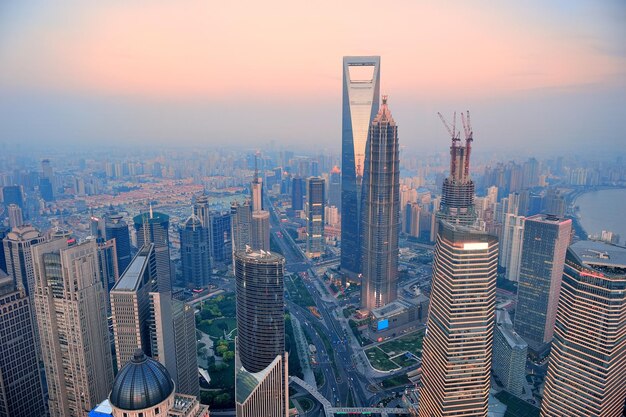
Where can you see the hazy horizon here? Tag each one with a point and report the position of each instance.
(537, 78)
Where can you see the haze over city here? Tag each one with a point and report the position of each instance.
(284, 209)
(542, 75)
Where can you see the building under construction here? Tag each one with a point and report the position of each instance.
(457, 194)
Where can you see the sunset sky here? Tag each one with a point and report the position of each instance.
(206, 72)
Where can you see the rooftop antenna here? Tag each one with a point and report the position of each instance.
(151, 213)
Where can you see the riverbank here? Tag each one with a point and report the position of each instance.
(595, 209)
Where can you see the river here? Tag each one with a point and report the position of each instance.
(603, 210)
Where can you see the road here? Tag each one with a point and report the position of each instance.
(344, 384)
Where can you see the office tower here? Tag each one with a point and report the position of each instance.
(511, 247)
(261, 388)
(381, 212)
(45, 189)
(15, 216)
(116, 228)
(153, 227)
(185, 348)
(12, 194)
(509, 354)
(107, 265)
(334, 188)
(71, 313)
(361, 90)
(457, 193)
(4, 231)
(456, 360)
(241, 223)
(17, 252)
(202, 210)
(221, 237)
(256, 188)
(144, 388)
(162, 327)
(544, 245)
(315, 217)
(96, 226)
(46, 169)
(194, 253)
(46, 181)
(297, 193)
(130, 306)
(260, 233)
(587, 369)
(21, 391)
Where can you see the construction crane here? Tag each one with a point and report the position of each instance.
(455, 139)
(451, 130)
(469, 137)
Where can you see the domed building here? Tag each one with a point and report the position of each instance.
(144, 388)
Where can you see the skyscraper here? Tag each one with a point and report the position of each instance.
(361, 91)
(116, 228)
(509, 354)
(587, 369)
(19, 263)
(456, 360)
(162, 327)
(256, 188)
(15, 216)
(315, 217)
(261, 388)
(130, 306)
(260, 236)
(380, 212)
(334, 188)
(544, 246)
(107, 265)
(17, 252)
(194, 253)
(511, 247)
(21, 392)
(221, 239)
(241, 223)
(12, 194)
(457, 193)
(71, 313)
(185, 348)
(153, 227)
(297, 193)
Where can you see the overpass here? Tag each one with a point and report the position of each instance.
(331, 411)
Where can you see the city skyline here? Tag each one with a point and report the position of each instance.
(291, 251)
(165, 59)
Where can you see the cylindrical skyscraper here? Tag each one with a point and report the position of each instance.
(587, 371)
(380, 212)
(260, 308)
(261, 361)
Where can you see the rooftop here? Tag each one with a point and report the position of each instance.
(600, 254)
(131, 278)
